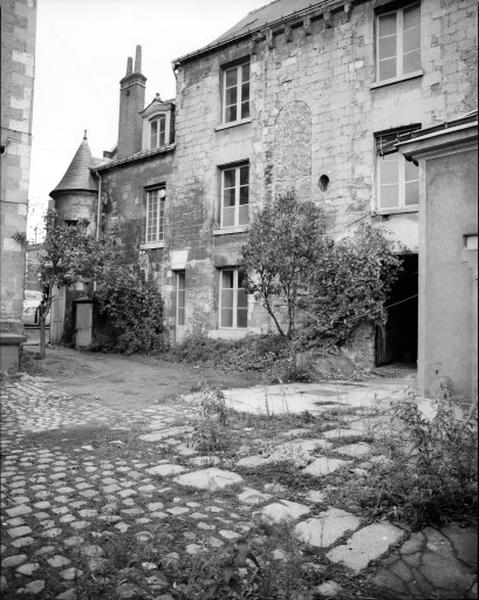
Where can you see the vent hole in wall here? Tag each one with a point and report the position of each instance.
(323, 183)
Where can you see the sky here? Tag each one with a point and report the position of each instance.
(81, 52)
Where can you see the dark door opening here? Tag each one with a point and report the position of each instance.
(397, 341)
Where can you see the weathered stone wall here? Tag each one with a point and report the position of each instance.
(315, 107)
(18, 29)
(314, 111)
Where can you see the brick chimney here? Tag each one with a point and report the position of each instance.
(132, 101)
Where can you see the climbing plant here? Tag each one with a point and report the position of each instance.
(130, 311)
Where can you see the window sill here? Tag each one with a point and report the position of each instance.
(229, 230)
(400, 210)
(233, 124)
(392, 80)
(152, 245)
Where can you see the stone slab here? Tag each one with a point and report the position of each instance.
(366, 545)
(324, 466)
(209, 479)
(355, 450)
(166, 470)
(324, 530)
(284, 510)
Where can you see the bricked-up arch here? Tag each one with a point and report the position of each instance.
(292, 150)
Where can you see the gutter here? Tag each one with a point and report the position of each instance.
(98, 217)
(332, 5)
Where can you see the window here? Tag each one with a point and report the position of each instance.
(236, 93)
(233, 299)
(180, 297)
(398, 179)
(398, 42)
(234, 195)
(155, 215)
(157, 132)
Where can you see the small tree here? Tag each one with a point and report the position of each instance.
(70, 254)
(285, 241)
(332, 286)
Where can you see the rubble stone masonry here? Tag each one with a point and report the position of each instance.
(315, 107)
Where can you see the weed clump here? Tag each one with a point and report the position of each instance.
(429, 474)
(210, 429)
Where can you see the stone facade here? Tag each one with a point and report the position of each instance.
(315, 111)
(18, 23)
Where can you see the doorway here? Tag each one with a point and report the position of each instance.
(396, 342)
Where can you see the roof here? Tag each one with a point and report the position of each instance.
(78, 176)
(279, 9)
(257, 19)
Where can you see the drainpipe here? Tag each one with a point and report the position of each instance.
(98, 216)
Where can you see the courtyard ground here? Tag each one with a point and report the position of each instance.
(124, 478)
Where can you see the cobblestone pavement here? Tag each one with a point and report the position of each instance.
(81, 480)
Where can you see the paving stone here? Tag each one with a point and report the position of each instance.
(324, 466)
(193, 549)
(67, 519)
(316, 496)
(58, 561)
(19, 510)
(210, 479)
(324, 530)
(355, 450)
(28, 568)
(251, 497)
(148, 488)
(155, 506)
(178, 510)
(366, 545)
(283, 510)
(328, 589)
(15, 522)
(74, 540)
(123, 527)
(14, 560)
(250, 462)
(34, 587)
(44, 550)
(51, 533)
(205, 461)
(70, 573)
(127, 493)
(15, 532)
(339, 432)
(22, 542)
(228, 534)
(67, 595)
(166, 470)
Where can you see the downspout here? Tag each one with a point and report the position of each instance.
(98, 217)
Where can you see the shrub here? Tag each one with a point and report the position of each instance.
(130, 311)
(430, 475)
(252, 353)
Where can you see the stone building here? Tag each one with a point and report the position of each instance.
(18, 31)
(307, 95)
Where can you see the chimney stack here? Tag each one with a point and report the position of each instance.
(132, 101)
(138, 59)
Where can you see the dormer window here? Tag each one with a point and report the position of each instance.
(158, 132)
(158, 125)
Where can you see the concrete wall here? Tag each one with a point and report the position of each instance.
(18, 23)
(447, 310)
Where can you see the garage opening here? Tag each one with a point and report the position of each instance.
(397, 341)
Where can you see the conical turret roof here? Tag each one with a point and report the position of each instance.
(78, 176)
